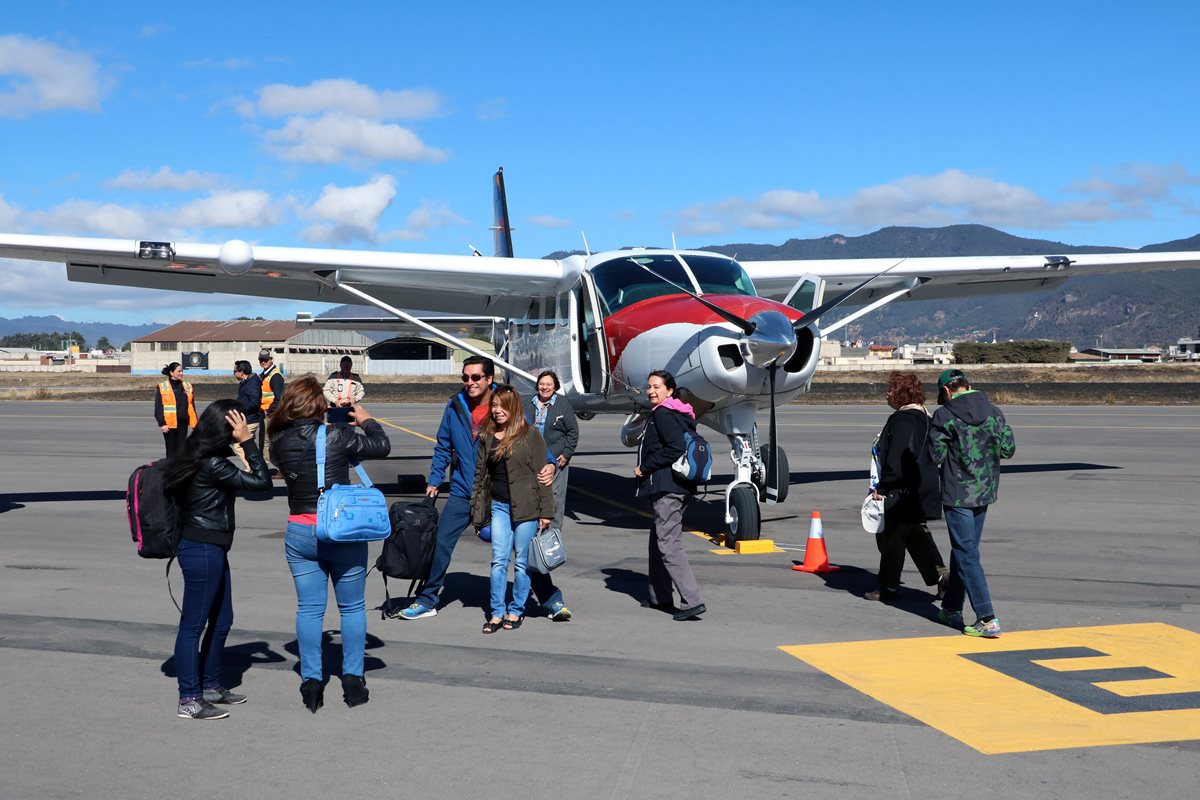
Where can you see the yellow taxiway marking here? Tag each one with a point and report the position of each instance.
(406, 430)
(1033, 690)
(707, 537)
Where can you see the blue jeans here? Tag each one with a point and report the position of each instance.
(965, 526)
(507, 537)
(313, 565)
(207, 611)
(452, 521)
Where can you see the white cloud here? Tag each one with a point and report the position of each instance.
(334, 138)
(951, 197)
(348, 97)
(153, 29)
(46, 77)
(88, 216)
(547, 221)
(8, 215)
(345, 213)
(164, 179)
(248, 208)
(428, 216)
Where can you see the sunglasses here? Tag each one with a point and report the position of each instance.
(472, 378)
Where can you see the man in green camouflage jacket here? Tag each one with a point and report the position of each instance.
(968, 438)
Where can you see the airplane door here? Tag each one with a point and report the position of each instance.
(589, 355)
(806, 294)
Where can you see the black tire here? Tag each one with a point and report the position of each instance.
(784, 481)
(743, 508)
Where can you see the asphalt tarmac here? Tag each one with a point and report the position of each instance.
(1093, 690)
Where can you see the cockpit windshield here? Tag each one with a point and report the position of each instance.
(719, 275)
(623, 282)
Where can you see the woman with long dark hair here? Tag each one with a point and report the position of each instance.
(206, 483)
(662, 444)
(910, 488)
(174, 407)
(293, 427)
(508, 495)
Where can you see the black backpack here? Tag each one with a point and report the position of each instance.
(408, 553)
(155, 521)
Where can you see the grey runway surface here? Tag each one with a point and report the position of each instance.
(1095, 527)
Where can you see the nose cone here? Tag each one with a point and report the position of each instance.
(773, 339)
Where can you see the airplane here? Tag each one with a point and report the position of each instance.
(737, 336)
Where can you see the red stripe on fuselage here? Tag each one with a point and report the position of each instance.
(631, 321)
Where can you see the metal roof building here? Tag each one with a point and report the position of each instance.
(215, 346)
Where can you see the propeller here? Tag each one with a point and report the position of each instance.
(825, 308)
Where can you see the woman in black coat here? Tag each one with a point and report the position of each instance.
(662, 444)
(910, 490)
(206, 483)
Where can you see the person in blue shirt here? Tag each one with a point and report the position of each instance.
(457, 443)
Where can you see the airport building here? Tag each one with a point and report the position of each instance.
(215, 346)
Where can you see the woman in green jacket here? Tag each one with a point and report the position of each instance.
(507, 493)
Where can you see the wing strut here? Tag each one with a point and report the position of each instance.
(333, 280)
(911, 284)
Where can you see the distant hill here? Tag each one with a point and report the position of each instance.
(117, 334)
(1127, 310)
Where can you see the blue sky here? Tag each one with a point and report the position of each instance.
(378, 126)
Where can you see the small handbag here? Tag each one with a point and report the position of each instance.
(352, 512)
(546, 551)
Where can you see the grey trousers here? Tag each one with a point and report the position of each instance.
(668, 561)
(560, 495)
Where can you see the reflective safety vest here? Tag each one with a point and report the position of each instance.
(168, 403)
(268, 396)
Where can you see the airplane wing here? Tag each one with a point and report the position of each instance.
(958, 276)
(464, 284)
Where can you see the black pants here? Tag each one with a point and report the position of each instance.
(174, 439)
(914, 537)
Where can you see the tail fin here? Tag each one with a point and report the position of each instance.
(501, 230)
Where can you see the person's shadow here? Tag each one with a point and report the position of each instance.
(858, 581)
(236, 662)
(331, 653)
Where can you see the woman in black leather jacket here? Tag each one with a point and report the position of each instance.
(206, 483)
(293, 428)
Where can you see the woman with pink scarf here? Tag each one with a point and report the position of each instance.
(662, 444)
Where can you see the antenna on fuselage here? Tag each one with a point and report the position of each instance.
(475, 251)
(586, 249)
(673, 245)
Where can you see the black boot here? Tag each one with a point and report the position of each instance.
(354, 690)
(312, 692)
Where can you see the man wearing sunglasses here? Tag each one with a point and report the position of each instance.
(457, 439)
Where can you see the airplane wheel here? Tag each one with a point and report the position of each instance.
(743, 508)
(784, 474)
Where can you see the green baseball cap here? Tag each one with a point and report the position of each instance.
(950, 375)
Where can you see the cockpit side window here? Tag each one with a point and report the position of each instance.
(622, 282)
(720, 275)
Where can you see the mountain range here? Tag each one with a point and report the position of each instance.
(1116, 310)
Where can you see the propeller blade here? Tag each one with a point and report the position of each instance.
(772, 447)
(825, 308)
(745, 325)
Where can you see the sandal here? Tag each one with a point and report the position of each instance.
(492, 627)
(513, 624)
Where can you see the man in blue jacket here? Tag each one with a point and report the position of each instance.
(457, 439)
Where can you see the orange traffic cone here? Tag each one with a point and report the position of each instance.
(815, 557)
